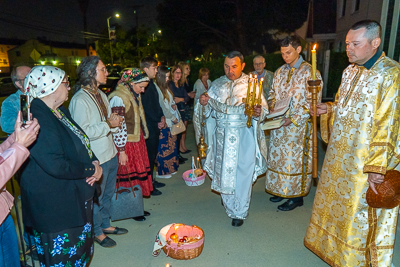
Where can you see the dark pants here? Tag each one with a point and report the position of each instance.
(152, 148)
(178, 142)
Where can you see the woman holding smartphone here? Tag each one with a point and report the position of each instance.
(13, 153)
(57, 184)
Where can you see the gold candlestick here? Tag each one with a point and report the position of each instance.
(315, 86)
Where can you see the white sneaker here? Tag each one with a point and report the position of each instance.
(173, 173)
(167, 176)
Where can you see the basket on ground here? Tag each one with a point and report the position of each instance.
(184, 251)
(193, 181)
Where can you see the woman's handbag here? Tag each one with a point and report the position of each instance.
(388, 195)
(127, 202)
(178, 128)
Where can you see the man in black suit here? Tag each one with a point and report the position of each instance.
(154, 117)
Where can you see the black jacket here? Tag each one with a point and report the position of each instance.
(152, 108)
(53, 184)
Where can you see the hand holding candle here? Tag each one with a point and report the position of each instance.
(314, 62)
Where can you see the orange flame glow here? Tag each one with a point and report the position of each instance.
(314, 47)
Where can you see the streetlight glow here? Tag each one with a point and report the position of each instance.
(109, 37)
(159, 31)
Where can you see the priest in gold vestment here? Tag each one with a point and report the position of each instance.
(362, 131)
(289, 155)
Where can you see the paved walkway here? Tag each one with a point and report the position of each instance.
(267, 238)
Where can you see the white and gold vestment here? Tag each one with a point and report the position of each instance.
(290, 150)
(235, 155)
(362, 127)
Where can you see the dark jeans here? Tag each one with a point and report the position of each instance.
(101, 211)
(152, 148)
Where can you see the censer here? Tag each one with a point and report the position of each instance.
(202, 146)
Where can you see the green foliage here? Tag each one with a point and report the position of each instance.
(338, 62)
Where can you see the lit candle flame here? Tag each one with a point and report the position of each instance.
(251, 75)
(314, 47)
(167, 265)
(255, 76)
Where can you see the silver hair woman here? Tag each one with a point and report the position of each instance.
(57, 184)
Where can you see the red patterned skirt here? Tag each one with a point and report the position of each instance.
(137, 167)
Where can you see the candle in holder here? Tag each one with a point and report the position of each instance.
(249, 88)
(260, 91)
(198, 163)
(314, 62)
(253, 97)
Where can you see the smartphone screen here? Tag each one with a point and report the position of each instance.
(24, 107)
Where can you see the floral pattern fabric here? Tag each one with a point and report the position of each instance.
(68, 248)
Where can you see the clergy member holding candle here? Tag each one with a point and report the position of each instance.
(236, 154)
(291, 178)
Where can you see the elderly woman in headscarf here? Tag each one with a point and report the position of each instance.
(130, 139)
(57, 184)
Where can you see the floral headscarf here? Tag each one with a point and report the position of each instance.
(42, 81)
(134, 75)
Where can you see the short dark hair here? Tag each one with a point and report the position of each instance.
(234, 54)
(373, 28)
(292, 40)
(87, 72)
(146, 62)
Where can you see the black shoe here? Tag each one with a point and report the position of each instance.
(146, 213)
(182, 158)
(290, 205)
(276, 199)
(181, 161)
(139, 218)
(186, 152)
(158, 184)
(237, 222)
(116, 231)
(155, 192)
(106, 242)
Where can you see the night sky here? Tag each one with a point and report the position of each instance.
(63, 20)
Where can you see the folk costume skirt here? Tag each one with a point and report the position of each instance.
(167, 157)
(137, 168)
(69, 247)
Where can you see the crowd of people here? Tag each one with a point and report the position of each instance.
(81, 152)
(79, 155)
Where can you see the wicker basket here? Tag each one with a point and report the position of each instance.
(184, 251)
(193, 181)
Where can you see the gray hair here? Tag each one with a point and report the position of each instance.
(14, 73)
(373, 29)
(259, 56)
(234, 54)
(86, 72)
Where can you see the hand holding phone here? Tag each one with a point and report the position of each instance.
(25, 109)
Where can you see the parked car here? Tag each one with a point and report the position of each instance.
(6, 86)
